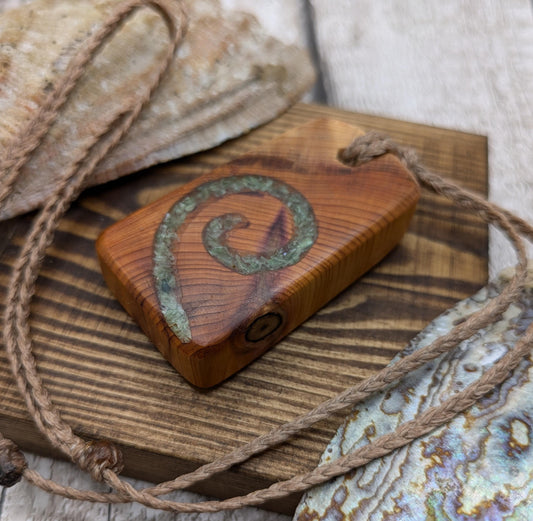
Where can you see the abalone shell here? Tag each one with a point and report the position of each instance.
(477, 467)
(227, 77)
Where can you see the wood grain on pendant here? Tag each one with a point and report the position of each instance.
(108, 381)
(220, 270)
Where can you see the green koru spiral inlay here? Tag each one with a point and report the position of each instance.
(214, 239)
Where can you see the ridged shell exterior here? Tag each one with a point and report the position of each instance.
(227, 78)
(478, 467)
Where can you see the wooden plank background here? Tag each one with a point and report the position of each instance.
(109, 382)
(448, 64)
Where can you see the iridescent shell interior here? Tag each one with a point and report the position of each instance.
(479, 466)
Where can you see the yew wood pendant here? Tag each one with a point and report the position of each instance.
(220, 270)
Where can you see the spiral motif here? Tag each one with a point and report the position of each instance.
(214, 235)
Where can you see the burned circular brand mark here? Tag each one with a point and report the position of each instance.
(214, 239)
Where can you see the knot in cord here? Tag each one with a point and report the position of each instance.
(96, 457)
(12, 463)
(374, 144)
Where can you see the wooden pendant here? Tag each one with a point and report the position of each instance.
(220, 270)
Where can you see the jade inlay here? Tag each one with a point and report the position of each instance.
(214, 239)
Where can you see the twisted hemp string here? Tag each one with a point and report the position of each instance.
(101, 458)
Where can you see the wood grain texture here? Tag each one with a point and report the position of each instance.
(109, 381)
(223, 268)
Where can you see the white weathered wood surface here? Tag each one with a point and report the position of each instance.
(465, 65)
(460, 64)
